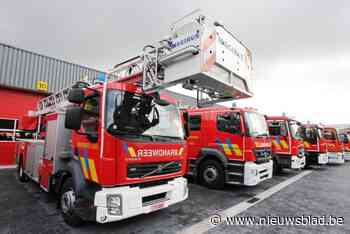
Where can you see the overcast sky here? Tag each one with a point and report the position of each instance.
(301, 49)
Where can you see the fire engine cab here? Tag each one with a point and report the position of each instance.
(334, 145)
(315, 145)
(228, 145)
(114, 149)
(287, 142)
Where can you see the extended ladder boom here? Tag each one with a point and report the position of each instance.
(200, 54)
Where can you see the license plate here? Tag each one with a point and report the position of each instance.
(157, 206)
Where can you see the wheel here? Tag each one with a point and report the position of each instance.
(22, 177)
(277, 169)
(212, 175)
(67, 202)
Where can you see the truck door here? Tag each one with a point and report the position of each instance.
(279, 136)
(230, 136)
(194, 139)
(87, 145)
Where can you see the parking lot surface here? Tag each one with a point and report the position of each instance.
(325, 191)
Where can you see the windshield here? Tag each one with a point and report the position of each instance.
(295, 130)
(344, 138)
(138, 116)
(310, 134)
(329, 135)
(256, 124)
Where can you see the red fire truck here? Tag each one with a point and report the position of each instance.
(287, 142)
(228, 145)
(314, 145)
(345, 139)
(334, 145)
(114, 150)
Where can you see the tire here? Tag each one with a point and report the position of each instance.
(212, 174)
(277, 169)
(22, 177)
(67, 200)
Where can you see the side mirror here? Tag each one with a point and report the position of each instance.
(161, 102)
(73, 118)
(76, 95)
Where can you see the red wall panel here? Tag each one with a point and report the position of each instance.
(15, 103)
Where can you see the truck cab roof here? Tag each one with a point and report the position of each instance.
(219, 109)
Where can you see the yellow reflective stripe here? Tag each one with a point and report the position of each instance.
(132, 152)
(276, 144)
(227, 149)
(85, 170)
(93, 171)
(237, 150)
(284, 144)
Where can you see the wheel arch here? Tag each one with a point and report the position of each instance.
(210, 154)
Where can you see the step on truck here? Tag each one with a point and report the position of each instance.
(113, 149)
(314, 145)
(334, 145)
(228, 145)
(345, 140)
(287, 143)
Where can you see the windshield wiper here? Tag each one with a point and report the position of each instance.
(257, 134)
(159, 169)
(165, 138)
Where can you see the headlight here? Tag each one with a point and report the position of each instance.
(114, 204)
(185, 189)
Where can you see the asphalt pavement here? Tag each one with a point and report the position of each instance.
(24, 208)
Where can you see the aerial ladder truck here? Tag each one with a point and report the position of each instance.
(114, 149)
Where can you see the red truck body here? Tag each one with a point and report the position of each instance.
(345, 139)
(106, 159)
(228, 145)
(287, 143)
(315, 145)
(335, 147)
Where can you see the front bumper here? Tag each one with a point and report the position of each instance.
(136, 200)
(347, 156)
(322, 158)
(297, 162)
(255, 173)
(335, 158)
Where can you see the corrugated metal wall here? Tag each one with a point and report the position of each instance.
(24, 69)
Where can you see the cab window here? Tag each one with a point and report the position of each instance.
(195, 122)
(90, 114)
(277, 128)
(229, 122)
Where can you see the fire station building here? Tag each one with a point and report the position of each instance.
(26, 77)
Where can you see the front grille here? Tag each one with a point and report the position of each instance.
(141, 170)
(153, 198)
(262, 155)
